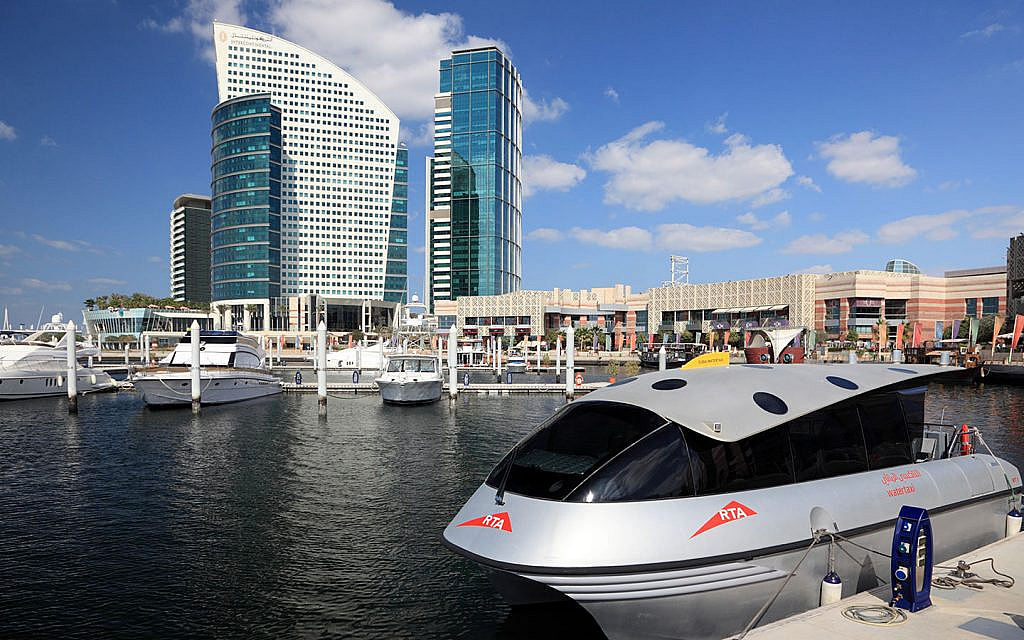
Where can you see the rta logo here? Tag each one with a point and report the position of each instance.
(729, 513)
(499, 521)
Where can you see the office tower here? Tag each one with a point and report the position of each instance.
(474, 188)
(190, 248)
(338, 159)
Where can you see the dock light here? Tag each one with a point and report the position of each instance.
(911, 577)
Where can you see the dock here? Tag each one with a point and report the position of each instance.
(991, 612)
(477, 388)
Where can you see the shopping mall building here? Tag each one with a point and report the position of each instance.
(831, 304)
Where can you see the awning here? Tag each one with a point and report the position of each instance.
(777, 307)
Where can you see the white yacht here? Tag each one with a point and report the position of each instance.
(516, 363)
(366, 357)
(411, 379)
(673, 504)
(232, 368)
(37, 367)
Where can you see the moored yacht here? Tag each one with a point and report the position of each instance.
(516, 363)
(232, 368)
(411, 379)
(368, 357)
(37, 367)
(673, 504)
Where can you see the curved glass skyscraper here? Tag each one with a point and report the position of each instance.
(474, 190)
(245, 224)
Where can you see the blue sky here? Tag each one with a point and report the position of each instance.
(756, 138)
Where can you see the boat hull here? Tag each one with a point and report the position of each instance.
(517, 368)
(418, 392)
(27, 385)
(175, 389)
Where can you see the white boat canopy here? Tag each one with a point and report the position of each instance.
(743, 400)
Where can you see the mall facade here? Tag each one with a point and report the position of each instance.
(830, 304)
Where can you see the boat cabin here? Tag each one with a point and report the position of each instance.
(683, 433)
(411, 364)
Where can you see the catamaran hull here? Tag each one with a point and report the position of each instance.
(38, 385)
(718, 599)
(176, 389)
(419, 392)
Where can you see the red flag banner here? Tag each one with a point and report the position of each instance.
(899, 336)
(917, 334)
(1018, 324)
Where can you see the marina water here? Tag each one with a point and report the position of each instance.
(257, 520)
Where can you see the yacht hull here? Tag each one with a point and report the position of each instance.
(175, 389)
(517, 368)
(700, 567)
(418, 392)
(35, 384)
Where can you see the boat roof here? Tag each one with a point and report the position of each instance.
(732, 396)
(411, 356)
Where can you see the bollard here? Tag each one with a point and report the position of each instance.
(453, 374)
(69, 337)
(852, 357)
(558, 357)
(497, 363)
(897, 356)
(380, 353)
(538, 354)
(570, 353)
(944, 358)
(196, 381)
(359, 356)
(145, 351)
(126, 361)
(321, 369)
(661, 358)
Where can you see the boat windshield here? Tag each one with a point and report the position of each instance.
(579, 439)
(413, 365)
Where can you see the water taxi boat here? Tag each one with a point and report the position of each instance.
(411, 379)
(232, 368)
(775, 346)
(673, 504)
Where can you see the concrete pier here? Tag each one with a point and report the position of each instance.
(992, 612)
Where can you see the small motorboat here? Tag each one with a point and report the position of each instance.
(672, 504)
(411, 379)
(775, 346)
(36, 367)
(677, 354)
(516, 363)
(232, 368)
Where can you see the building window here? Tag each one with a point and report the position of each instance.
(972, 307)
(989, 306)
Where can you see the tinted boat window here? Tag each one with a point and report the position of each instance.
(828, 443)
(554, 460)
(885, 430)
(760, 461)
(657, 466)
(912, 402)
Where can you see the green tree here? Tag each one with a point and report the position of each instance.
(583, 338)
(851, 336)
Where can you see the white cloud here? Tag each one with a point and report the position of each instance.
(47, 141)
(35, 283)
(950, 185)
(611, 93)
(197, 20)
(808, 183)
(998, 222)
(108, 282)
(816, 269)
(934, 227)
(819, 243)
(718, 126)
(630, 238)
(544, 234)
(769, 197)
(866, 157)
(686, 237)
(543, 110)
(816, 216)
(7, 132)
(543, 172)
(11, 291)
(155, 259)
(8, 250)
(782, 220)
(985, 33)
(649, 175)
(63, 245)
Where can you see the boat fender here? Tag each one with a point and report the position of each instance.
(92, 379)
(60, 381)
(1013, 522)
(831, 589)
(355, 377)
(965, 440)
(983, 372)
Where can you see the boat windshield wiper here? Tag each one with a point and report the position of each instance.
(499, 496)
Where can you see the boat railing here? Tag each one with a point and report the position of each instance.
(943, 440)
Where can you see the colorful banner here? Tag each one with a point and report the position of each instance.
(973, 333)
(899, 336)
(917, 334)
(725, 342)
(997, 324)
(955, 333)
(746, 339)
(883, 335)
(938, 329)
(1018, 325)
(812, 337)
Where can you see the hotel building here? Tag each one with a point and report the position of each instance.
(473, 198)
(190, 248)
(309, 183)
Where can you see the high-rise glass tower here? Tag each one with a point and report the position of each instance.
(190, 248)
(474, 188)
(338, 160)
